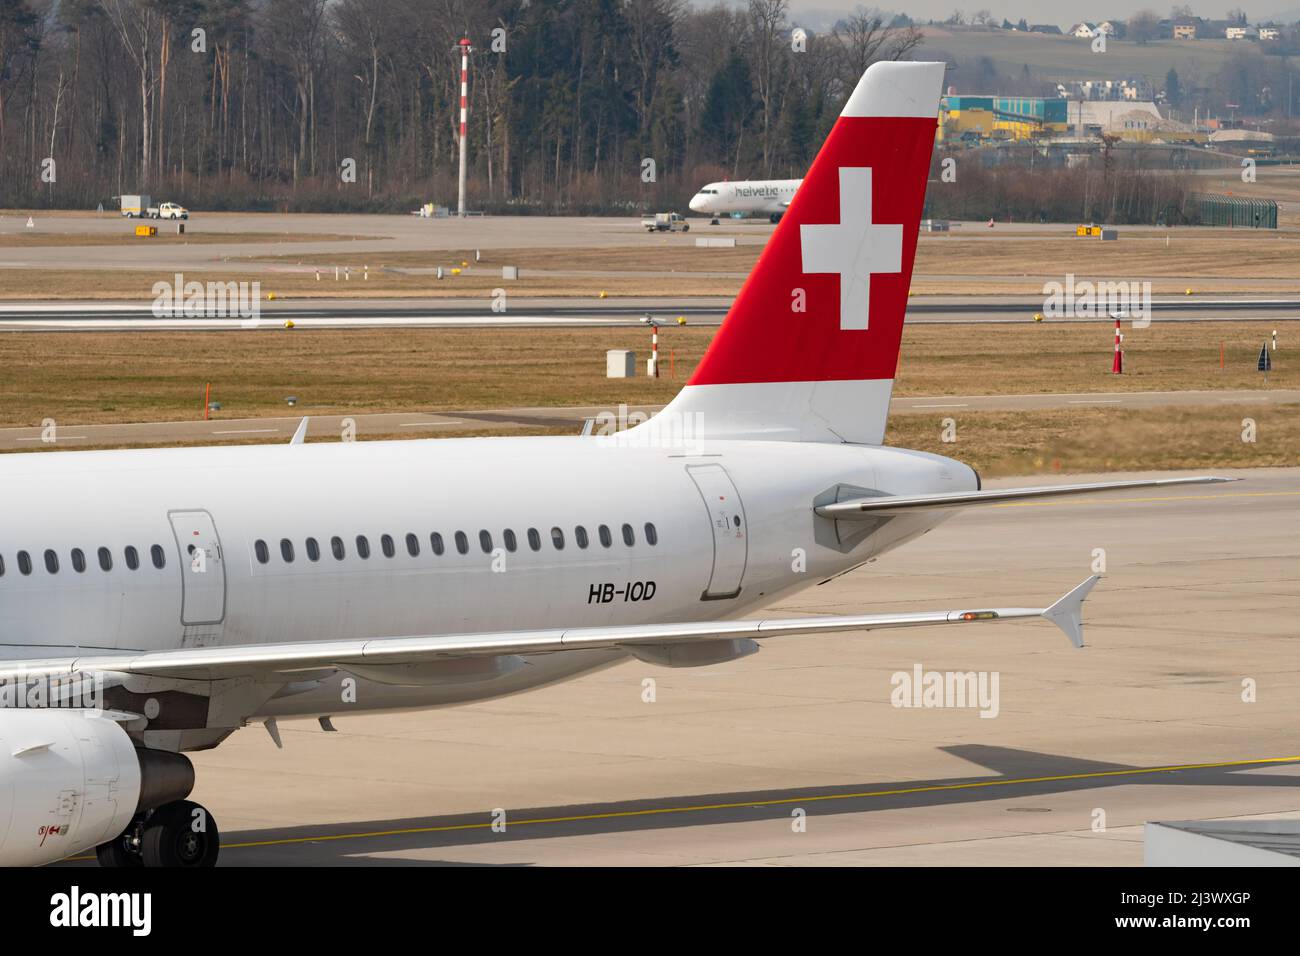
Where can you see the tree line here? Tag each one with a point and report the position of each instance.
(353, 104)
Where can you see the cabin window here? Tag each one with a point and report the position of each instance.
(412, 545)
(158, 557)
(363, 547)
(462, 542)
(606, 539)
(313, 550)
(24, 562)
(105, 559)
(286, 550)
(557, 539)
(435, 542)
(78, 560)
(512, 543)
(337, 549)
(485, 541)
(133, 556)
(259, 548)
(51, 561)
(651, 535)
(580, 536)
(534, 539)
(386, 542)
(629, 538)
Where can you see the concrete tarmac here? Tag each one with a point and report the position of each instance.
(465, 312)
(1182, 706)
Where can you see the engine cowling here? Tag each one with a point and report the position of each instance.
(72, 779)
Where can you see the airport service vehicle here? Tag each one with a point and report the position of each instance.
(666, 222)
(154, 601)
(138, 207)
(756, 197)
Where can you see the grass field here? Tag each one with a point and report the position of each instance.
(959, 264)
(1107, 439)
(1220, 254)
(1053, 441)
(146, 376)
(123, 377)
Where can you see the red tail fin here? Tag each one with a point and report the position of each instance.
(810, 346)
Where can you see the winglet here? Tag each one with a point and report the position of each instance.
(1067, 613)
(300, 435)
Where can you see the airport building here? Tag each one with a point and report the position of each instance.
(981, 119)
(1001, 117)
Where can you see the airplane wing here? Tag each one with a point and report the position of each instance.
(214, 663)
(870, 507)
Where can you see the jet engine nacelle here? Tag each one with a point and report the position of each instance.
(71, 780)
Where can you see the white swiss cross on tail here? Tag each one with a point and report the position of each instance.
(855, 247)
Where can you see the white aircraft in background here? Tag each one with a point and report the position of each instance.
(192, 591)
(754, 197)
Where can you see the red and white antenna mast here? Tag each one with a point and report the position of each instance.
(465, 50)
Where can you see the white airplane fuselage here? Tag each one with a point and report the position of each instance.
(229, 591)
(757, 197)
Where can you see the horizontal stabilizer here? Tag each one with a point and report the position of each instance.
(875, 505)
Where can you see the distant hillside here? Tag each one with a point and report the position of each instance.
(1072, 58)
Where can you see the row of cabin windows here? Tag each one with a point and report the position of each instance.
(78, 559)
(388, 545)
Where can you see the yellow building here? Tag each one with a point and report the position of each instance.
(1000, 117)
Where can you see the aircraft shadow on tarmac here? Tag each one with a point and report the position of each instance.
(1017, 774)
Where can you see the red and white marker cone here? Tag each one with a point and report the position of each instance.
(1117, 367)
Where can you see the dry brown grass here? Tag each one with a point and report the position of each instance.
(1094, 440)
(958, 264)
(1044, 442)
(1224, 254)
(80, 377)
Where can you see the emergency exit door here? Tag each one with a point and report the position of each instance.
(203, 568)
(730, 536)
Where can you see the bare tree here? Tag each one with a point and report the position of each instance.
(651, 25)
(136, 24)
(296, 29)
(864, 38)
(766, 25)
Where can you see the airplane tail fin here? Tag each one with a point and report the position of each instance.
(809, 348)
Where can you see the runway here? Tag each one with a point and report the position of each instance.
(429, 424)
(1198, 603)
(589, 312)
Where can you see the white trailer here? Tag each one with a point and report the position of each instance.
(138, 207)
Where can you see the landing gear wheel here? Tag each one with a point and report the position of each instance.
(713, 222)
(686, 228)
(180, 834)
(124, 851)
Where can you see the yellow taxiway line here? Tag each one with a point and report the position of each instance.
(697, 808)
